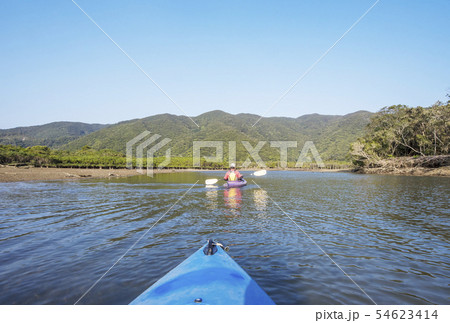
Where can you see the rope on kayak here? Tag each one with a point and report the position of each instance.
(134, 244)
(211, 248)
(217, 243)
(309, 237)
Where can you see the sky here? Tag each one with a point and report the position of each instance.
(236, 56)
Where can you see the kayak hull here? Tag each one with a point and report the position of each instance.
(231, 184)
(205, 279)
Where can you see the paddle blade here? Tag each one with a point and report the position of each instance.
(211, 181)
(261, 172)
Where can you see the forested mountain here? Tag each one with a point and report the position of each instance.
(332, 135)
(53, 134)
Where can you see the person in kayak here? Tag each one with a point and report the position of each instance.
(233, 174)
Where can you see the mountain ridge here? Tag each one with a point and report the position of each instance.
(331, 134)
(53, 134)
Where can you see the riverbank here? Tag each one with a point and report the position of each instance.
(29, 173)
(397, 166)
(311, 170)
(415, 166)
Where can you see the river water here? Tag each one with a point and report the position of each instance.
(389, 234)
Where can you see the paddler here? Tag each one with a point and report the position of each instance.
(233, 174)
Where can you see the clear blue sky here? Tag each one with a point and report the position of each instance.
(237, 56)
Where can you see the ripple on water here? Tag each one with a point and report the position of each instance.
(388, 233)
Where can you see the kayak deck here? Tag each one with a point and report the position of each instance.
(205, 279)
(231, 184)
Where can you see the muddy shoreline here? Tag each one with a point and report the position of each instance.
(411, 171)
(414, 166)
(19, 174)
(29, 173)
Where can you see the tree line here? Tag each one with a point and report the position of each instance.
(87, 157)
(399, 131)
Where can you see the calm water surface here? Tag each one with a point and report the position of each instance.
(390, 234)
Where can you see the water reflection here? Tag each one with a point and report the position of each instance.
(260, 199)
(233, 198)
(211, 197)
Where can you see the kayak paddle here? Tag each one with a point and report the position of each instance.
(261, 172)
(211, 181)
